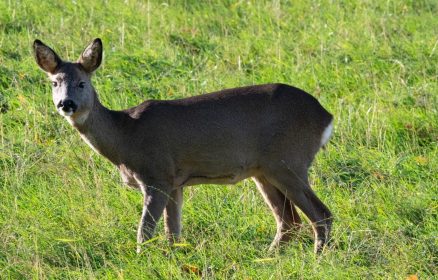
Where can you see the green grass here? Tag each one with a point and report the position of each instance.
(64, 213)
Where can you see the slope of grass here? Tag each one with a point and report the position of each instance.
(64, 213)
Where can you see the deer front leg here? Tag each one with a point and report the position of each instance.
(155, 199)
(172, 215)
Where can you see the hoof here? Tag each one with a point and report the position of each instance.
(319, 246)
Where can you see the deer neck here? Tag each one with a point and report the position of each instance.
(101, 130)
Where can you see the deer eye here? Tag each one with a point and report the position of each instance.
(54, 84)
(81, 84)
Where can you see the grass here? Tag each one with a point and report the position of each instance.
(64, 213)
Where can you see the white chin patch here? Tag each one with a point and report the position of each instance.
(77, 119)
(64, 113)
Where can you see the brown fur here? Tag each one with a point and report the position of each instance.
(269, 132)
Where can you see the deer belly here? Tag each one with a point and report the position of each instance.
(220, 177)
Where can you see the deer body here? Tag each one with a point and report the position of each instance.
(269, 132)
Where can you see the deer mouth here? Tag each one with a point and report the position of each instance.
(66, 113)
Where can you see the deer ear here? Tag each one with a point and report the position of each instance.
(91, 57)
(46, 58)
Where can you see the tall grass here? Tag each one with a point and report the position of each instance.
(374, 64)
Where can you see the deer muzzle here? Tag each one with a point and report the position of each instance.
(67, 107)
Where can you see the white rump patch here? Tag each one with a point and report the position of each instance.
(326, 134)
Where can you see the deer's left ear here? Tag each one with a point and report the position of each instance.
(91, 57)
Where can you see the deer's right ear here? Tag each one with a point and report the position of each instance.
(46, 58)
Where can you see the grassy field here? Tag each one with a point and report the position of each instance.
(64, 213)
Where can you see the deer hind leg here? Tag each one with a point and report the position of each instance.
(172, 215)
(284, 211)
(294, 184)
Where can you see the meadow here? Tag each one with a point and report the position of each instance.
(65, 214)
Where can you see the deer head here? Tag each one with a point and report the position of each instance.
(72, 91)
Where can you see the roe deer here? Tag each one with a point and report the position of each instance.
(268, 132)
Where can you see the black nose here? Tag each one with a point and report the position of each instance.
(67, 105)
